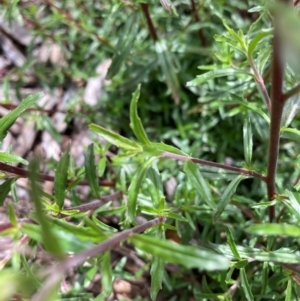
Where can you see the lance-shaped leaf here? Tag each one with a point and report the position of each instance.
(61, 177)
(49, 238)
(264, 33)
(135, 121)
(228, 193)
(188, 256)
(90, 170)
(245, 285)
(274, 229)
(200, 79)
(123, 46)
(167, 63)
(11, 158)
(157, 272)
(9, 119)
(293, 204)
(135, 187)
(193, 173)
(116, 139)
(5, 188)
(247, 135)
(155, 186)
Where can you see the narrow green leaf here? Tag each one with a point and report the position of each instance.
(245, 285)
(5, 188)
(176, 216)
(293, 204)
(12, 214)
(155, 186)
(103, 226)
(162, 147)
(50, 128)
(265, 278)
(258, 38)
(135, 121)
(101, 166)
(188, 256)
(123, 46)
(50, 240)
(200, 79)
(106, 273)
(167, 63)
(90, 171)
(232, 245)
(238, 37)
(193, 173)
(135, 185)
(157, 272)
(274, 229)
(227, 194)
(248, 144)
(250, 106)
(290, 133)
(288, 291)
(61, 176)
(217, 173)
(116, 139)
(283, 255)
(11, 158)
(9, 119)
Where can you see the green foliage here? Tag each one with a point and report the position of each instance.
(186, 101)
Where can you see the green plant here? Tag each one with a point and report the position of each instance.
(236, 222)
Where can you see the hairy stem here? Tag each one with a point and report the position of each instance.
(292, 92)
(214, 164)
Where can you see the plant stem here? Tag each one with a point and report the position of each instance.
(22, 173)
(276, 114)
(260, 81)
(197, 19)
(152, 31)
(291, 92)
(214, 164)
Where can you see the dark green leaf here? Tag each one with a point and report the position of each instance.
(5, 188)
(167, 63)
(227, 194)
(193, 173)
(188, 256)
(61, 177)
(123, 46)
(135, 187)
(245, 285)
(90, 170)
(9, 119)
(157, 272)
(232, 245)
(135, 121)
(49, 239)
